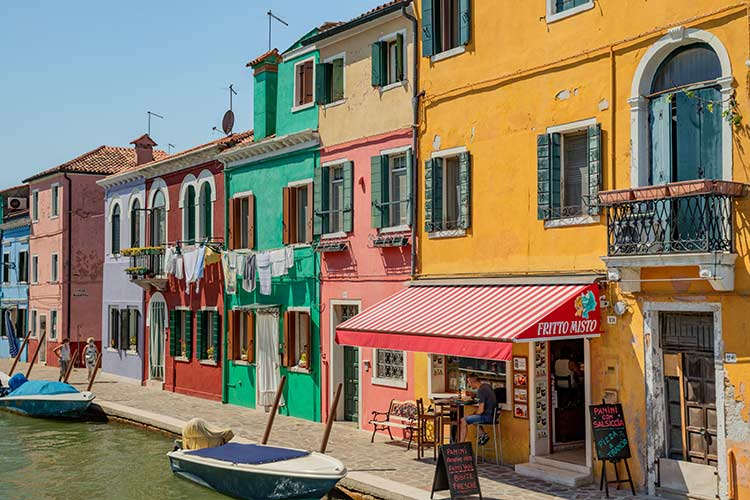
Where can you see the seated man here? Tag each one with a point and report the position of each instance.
(486, 411)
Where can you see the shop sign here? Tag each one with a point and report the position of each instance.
(579, 317)
(456, 471)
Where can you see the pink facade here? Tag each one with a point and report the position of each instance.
(358, 278)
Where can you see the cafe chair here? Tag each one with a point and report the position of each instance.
(428, 430)
(495, 437)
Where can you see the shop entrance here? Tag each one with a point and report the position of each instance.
(568, 381)
(344, 364)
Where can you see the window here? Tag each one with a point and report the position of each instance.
(53, 325)
(297, 339)
(685, 111)
(21, 322)
(114, 327)
(569, 171)
(336, 199)
(135, 224)
(329, 81)
(6, 267)
(53, 272)
(134, 322)
(303, 83)
(388, 61)
(35, 205)
(181, 333)
(35, 269)
(23, 266)
(333, 198)
(557, 9)
(124, 328)
(159, 220)
(3, 331)
(298, 214)
(208, 336)
(188, 218)
(448, 192)
(54, 208)
(446, 24)
(206, 212)
(241, 342)
(391, 190)
(115, 229)
(32, 320)
(242, 222)
(389, 367)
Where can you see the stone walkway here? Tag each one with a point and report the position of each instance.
(382, 469)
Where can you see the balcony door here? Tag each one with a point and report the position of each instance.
(157, 321)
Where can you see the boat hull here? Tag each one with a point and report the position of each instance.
(49, 406)
(252, 485)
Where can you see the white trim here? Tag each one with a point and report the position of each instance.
(448, 53)
(331, 358)
(300, 183)
(389, 382)
(209, 308)
(182, 308)
(55, 268)
(34, 270)
(342, 56)
(334, 163)
(187, 181)
(449, 233)
(295, 107)
(391, 37)
(333, 236)
(158, 184)
(241, 194)
(32, 209)
(450, 152)
(207, 177)
(334, 103)
(249, 159)
(395, 151)
(136, 194)
(394, 85)
(395, 229)
(641, 86)
(580, 220)
(111, 203)
(298, 52)
(298, 309)
(55, 186)
(572, 126)
(553, 16)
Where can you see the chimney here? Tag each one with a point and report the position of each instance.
(265, 88)
(144, 149)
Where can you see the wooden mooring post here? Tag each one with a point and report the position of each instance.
(274, 409)
(96, 370)
(70, 366)
(36, 354)
(331, 418)
(18, 356)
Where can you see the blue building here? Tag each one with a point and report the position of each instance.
(14, 263)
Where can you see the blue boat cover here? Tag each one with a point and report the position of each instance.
(43, 388)
(16, 381)
(252, 454)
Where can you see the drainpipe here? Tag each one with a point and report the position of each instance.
(415, 130)
(69, 257)
(225, 355)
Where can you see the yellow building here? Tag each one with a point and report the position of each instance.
(526, 117)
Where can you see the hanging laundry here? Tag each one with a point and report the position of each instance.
(248, 273)
(199, 267)
(278, 262)
(263, 264)
(179, 266)
(212, 256)
(230, 272)
(289, 256)
(170, 260)
(190, 258)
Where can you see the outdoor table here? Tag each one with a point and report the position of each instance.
(456, 411)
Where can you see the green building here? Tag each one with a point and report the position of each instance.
(269, 193)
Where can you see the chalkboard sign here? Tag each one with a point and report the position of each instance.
(610, 436)
(456, 471)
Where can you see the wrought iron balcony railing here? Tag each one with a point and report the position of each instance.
(145, 263)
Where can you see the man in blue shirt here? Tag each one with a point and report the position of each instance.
(485, 413)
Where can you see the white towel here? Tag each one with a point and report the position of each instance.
(263, 264)
(190, 258)
(278, 262)
(289, 257)
(179, 264)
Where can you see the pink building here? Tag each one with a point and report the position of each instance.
(67, 247)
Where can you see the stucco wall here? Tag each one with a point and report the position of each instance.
(287, 120)
(15, 293)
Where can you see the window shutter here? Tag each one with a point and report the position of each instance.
(323, 83)
(348, 197)
(173, 333)
(428, 195)
(114, 322)
(376, 184)
(190, 215)
(288, 357)
(548, 174)
(232, 224)
(464, 22)
(428, 29)
(307, 76)
(711, 136)
(660, 120)
(409, 186)
(556, 171)
(464, 190)
(287, 216)
(377, 64)
(189, 334)
(125, 329)
(251, 221)
(400, 67)
(698, 135)
(216, 336)
(310, 213)
(337, 80)
(318, 202)
(232, 342)
(199, 343)
(595, 167)
(250, 325)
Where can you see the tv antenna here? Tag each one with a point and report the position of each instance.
(271, 17)
(150, 114)
(228, 121)
(170, 147)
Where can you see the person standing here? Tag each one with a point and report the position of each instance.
(63, 353)
(90, 353)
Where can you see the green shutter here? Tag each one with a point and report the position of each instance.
(428, 203)
(543, 175)
(199, 336)
(376, 194)
(555, 173)
(173, 333)
(190, 207)
(207, 216)
(348, 197)
(216, 335)
(464, 190)
(688, 137)
(409, 186)
(400, 67)
(711, 133)
(337, 80)
(377, 64)
(464, 22)
(429, 38)
(323, 83)
(433, 198)
(595, 167)
(189, 334)
(125, 329)
(318, 202)
(660, 120)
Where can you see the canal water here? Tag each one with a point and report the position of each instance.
(56, 460)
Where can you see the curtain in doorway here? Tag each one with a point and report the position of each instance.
(268, 357)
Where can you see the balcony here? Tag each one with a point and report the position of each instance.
(146, 267)
(678, 224)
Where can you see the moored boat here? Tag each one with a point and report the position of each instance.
(44, 399)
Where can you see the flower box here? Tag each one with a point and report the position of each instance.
(651, 192)
(689, 188)
(729, 188)
(615, 196)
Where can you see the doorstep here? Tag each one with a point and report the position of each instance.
(556, 471)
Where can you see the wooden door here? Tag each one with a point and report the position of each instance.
(351, 384)
(700, 409)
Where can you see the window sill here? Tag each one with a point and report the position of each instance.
(131, 352)
(303, 107)
(386, 382)
(208, 362)
(334, 104)
(333, 236)
(239, 362)
(181, 359)
(581, 220)
(447, 54)
(551, 18)
(297, 369)
(52, 217)
(395, 229)
(450, 233)
(394, 85)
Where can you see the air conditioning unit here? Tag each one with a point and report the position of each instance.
(18, 203)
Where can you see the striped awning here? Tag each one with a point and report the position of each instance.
(474, 321)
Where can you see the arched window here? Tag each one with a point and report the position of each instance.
(159, 220)
(686, 116)
(115, 227)
(135, 224)
(188, 220)
(206, 216)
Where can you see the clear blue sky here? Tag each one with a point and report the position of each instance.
(77, 74)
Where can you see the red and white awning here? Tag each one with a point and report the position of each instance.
(474, 321)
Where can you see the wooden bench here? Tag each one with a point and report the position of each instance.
(400, 415)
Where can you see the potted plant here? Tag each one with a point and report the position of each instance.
(243, 355)
(688, 188)
(651, 192)
(615, 196)
(133, 344)
(210, 353)
(183, 349)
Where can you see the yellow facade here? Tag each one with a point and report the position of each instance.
(519, 76)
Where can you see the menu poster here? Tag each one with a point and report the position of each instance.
(520, 395)
(520, 387)
(541, 383)
(456, 471)
(610, 435)
(519, 363)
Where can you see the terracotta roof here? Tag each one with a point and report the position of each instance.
(381, 7)
(329, 25)
(261, 58)
(104, 160)
(330, 29)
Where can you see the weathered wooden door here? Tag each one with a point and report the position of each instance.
(700, 409)
(351, 384)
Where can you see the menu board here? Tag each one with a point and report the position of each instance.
(610, 435)
(541, 386)
(520, 387)
(456, 471)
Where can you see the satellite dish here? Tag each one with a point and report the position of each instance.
(227, 122)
